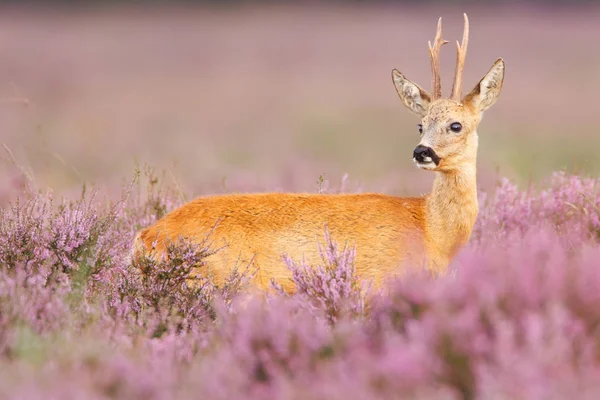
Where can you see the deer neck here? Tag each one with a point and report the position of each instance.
(451, 209)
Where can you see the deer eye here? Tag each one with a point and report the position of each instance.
(420, 128)
(455, 127)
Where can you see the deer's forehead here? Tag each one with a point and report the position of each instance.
(445, 110)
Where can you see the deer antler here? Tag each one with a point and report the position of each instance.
(434, 53)
(461, 54)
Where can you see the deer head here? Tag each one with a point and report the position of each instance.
(448, 126)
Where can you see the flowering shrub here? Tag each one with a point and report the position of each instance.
(571, 205)
(519, 318)
(332, 288)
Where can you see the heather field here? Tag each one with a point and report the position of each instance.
(129, 114)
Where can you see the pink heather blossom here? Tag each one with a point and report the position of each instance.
(332, 287)
(518, 317)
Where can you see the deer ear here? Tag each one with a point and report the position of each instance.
(413, 97)
(487, 91)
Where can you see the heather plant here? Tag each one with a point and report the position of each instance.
(570, 203)
(175, 287)
(264, 347)
(23, 235)
(528, 294)
(31, 300)
(518, 318)
(147, 199)
(332, 288)
(70, 237)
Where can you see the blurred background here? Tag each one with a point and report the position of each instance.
(252, 96)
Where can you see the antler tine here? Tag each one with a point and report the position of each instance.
(434, 53)
(461, 54)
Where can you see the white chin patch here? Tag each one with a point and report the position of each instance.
(425, 165)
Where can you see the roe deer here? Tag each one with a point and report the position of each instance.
(389, 232)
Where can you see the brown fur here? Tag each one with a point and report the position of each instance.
(390, 233)
(256, 230)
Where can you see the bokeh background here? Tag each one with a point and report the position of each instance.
(253, 96)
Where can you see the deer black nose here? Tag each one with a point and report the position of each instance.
(423, 154)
